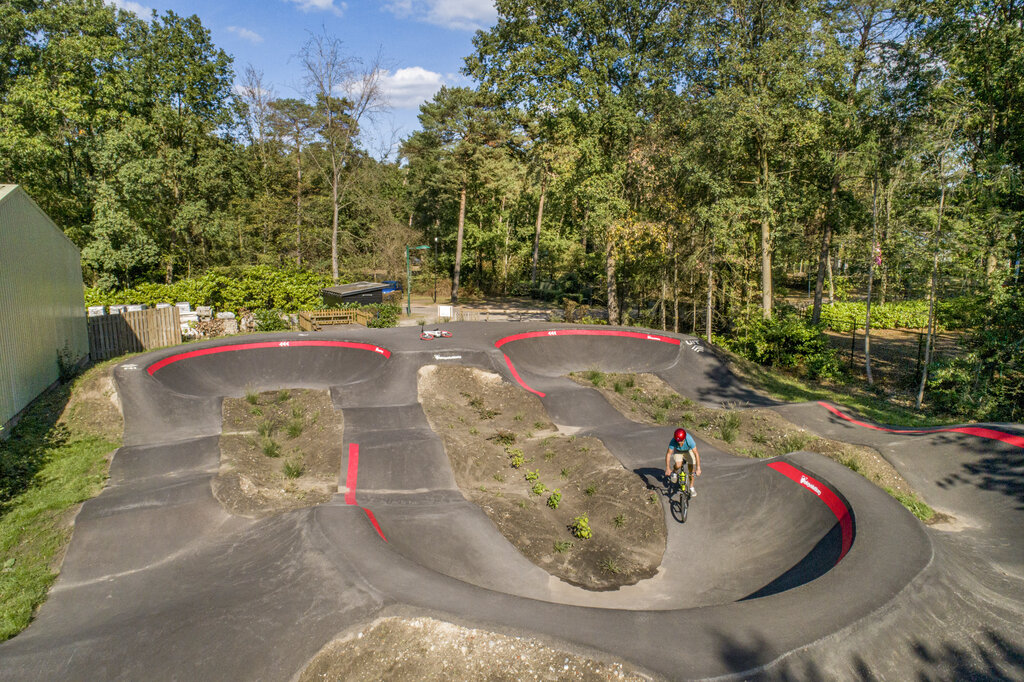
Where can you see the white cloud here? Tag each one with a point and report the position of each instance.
(245, 34)
(133, 7)
(466, 15)
(321, 6)
(411, 87)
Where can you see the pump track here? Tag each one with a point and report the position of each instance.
(792, 567)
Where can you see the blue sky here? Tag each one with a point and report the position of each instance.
(421, 42)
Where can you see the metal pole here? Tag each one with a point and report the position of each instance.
(408, 283)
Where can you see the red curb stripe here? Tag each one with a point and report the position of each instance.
(350, 485)
(826, 495)
(980, 432)
(515, 374)
(353, 473)
(152, 369)
(373, 520)
(586, 332)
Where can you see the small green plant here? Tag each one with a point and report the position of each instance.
(659, 416)
(533, 475)
(504, 437)
(256, 411)
(652, 498)
(619, 521)
(549, 455)
(563, 546)
(271, 448)
(523, 504)
(252, 397)
(555, 498)
(580, 527)
(499, 477)
(564, 473)
(283, 396)
(608, 564)
(266, 427)
(794, 441)
(913, 504)
(584, 449)
(473, 431)
(517, 457)
(666, 403)
(476, 402)
(297, 412)
(293, 469)
(619, 387)
(538, 488)
(590, 490)
(595, 377)
(759, 438)
(852, 463)
(294, 428)
(730, 427)
(539, 425)
(518, 417)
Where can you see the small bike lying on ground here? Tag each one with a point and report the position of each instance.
(678, 493)
(428, 334)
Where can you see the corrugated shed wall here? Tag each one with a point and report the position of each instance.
(42, 305)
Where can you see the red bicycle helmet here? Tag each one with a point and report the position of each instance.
(679, 435)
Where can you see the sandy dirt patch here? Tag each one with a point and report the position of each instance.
(280, 450)
(414, 649)
(542, 489)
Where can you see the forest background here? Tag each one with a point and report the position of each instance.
(688, 167)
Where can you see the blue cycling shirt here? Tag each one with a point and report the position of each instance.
(687, 444)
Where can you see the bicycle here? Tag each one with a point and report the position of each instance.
(678, 494)
(428, 334)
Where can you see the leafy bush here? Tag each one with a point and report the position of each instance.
(786, 341)
(259, 287)
(555, 498)
(957, 313)
(269, 321)
(580, 527)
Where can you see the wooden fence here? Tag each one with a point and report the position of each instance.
(113, 335)
(311, 320)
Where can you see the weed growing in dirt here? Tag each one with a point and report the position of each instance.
(563, 546)
(517, 458)
(619, 387)
(518, 417)
(608, 564)
(595, 377)
(271, 448)
(564, 473)
(590, 490)
(730, 427)
(852, 464)
(252, 397)
(912, 503)
(256, 412)
(533, 475)
(619, 521)
(580, 527)
(555, 498)
(658, 416)
(293, 469)
(652, 498)
(266, 428)
(473, 431)
(794, 441)
(294, 428)
(499, 477)
(503, 437)
(549, 455)
(283, 396)
(538, 488)
(523, 504)
(759, 438)
(539, 425)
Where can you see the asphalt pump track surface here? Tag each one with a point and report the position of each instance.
(788, 567)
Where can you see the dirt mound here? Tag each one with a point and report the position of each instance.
(565, 502)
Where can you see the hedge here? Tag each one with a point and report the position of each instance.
(956, 313)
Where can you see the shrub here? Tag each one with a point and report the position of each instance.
(580, 527)
(786, 341)
(269, 321)
(555, 498)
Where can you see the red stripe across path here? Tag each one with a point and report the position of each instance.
(152, 369)
(826, 495)
(350, 484)
(978, 431)
(573, 332)
(586, 332)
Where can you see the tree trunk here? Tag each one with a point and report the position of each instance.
(675, 291)
(824, 254)
(609, 267)
(831, 283)
(458, 245)
(931, 293)
(298, 203)
(871, 278)
(766, 254)
(335, 180)
(536, 231)
(711, 282)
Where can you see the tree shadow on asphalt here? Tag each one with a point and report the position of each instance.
(998, 468)
(988, 656)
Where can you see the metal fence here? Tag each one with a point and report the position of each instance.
(113, 335)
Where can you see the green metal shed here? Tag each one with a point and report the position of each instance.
(42, 302)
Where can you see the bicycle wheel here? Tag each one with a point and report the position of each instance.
(684, 499)
(425, 336)
(446, 334)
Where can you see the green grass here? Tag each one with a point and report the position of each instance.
(294, 428)
(45, 469)
(293, 469)
(914, 504)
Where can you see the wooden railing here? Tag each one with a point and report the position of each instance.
(113, 335)
(312, 320)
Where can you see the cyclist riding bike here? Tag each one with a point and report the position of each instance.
(682, 449)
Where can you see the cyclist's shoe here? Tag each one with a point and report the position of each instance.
(693, 491)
